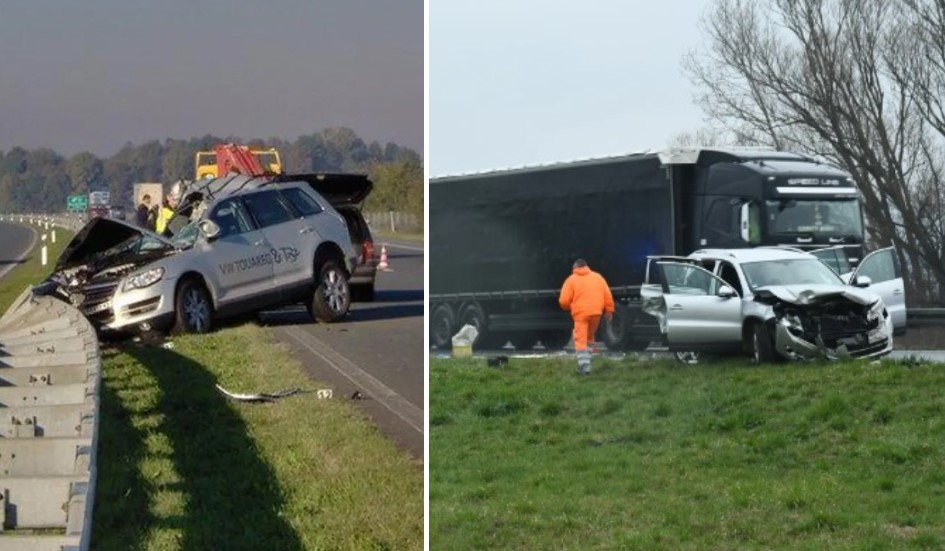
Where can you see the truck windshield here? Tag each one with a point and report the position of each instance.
(815, 217)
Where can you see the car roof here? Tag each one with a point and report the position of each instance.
(756, 254)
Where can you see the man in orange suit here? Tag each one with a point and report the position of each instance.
(587, 296)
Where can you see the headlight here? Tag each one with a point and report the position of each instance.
(792, 321)
(144, 279)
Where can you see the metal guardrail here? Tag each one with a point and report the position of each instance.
(925, 317)
(50, 379)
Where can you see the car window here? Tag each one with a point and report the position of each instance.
(730, 275)
(303, 202)
(267, 209)
(231, 217)
(879, 267)
(683, 279)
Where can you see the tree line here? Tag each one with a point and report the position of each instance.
(860, 83)
(40, 180)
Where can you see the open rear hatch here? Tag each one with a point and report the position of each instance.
(337, 189)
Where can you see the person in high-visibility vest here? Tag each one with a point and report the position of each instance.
(587, 296)
(167, 209)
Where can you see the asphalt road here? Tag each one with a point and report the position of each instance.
(377, 351)
(15, 242)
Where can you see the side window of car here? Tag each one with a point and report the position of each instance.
(231, 217)
(728, 273)
(689, 280)
(303, 202)
(879, 267)
(267, 209)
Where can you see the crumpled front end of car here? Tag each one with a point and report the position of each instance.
(835, 328)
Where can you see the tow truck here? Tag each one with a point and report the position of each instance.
(230, 158)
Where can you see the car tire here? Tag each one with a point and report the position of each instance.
(332, 296)
(193, 309)
(442, 323)
(761, 344)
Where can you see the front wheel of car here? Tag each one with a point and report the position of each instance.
(193, 310)
(761, 345)
(332, 296)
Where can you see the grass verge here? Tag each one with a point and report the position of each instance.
(31, 271)
(649, 454)
(181, 467)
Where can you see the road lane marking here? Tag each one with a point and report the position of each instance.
(15, 262)
(397, 404)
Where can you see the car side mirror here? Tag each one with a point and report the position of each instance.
(726, 292)
(862, 281)
(209, 229)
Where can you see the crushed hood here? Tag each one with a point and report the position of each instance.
(337, 189)
(100, 234)
(815, 294)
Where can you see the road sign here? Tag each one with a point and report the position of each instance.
(78, 203)
(99, 197)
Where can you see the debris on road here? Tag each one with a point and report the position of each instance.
(321, 394)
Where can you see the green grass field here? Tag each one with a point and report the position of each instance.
(651, 454)
(182, 467)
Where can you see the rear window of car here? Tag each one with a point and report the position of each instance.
(303, 202)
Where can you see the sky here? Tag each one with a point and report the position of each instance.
(536, 81)
(95, 74)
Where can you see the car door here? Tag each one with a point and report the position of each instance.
(241, 265)
(284, 233)
(696, 316)
(883, 269)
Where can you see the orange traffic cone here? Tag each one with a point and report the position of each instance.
(383, 265)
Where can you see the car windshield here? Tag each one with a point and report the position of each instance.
(186, 236)
(794, 271)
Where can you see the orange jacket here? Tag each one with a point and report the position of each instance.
(586, 293)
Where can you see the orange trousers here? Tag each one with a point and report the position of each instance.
(584, 329)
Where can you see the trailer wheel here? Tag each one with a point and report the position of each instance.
(473, 314)
(442, 323)
(616, 332)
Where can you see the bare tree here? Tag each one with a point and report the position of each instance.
(859, 82)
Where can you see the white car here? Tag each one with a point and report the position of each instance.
(770, 302)
(239, 245)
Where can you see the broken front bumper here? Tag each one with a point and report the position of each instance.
(138, 309)
(875, 343)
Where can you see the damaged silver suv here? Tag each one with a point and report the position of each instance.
(773, 303)
(236, 245)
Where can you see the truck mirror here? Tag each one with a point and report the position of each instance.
(744, 222)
